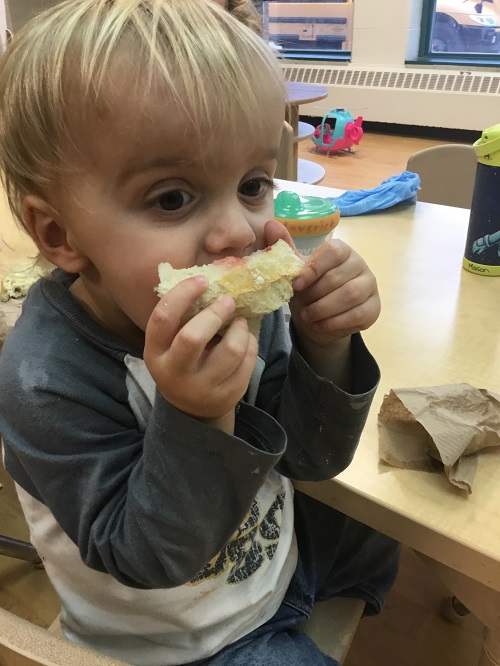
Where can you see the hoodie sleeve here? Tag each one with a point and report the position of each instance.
(323, 423)
(149, 506)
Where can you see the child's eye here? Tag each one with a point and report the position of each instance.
(173, 200)
(256, 187)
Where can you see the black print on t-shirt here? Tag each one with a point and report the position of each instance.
(249, 546)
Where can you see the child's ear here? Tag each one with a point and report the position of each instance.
(50, 237)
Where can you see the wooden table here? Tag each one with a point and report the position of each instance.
(439, 325)
(297, 94)
(305, 131)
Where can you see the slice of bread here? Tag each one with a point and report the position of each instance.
(259, 283)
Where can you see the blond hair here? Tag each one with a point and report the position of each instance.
(245, 12)
(210, 63)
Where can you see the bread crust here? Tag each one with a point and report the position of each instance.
(259, 283)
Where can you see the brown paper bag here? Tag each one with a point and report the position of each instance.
(439, 427)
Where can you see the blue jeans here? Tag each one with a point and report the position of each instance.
(337, 557)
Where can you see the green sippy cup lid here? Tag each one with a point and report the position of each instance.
(292, 206)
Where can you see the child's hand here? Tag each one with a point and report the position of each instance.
(336, 295)
(194, 369)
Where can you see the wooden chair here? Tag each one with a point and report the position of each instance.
(25, 644)
(331, 626)
(284, 168)
(20, 550)
(10, 547)
(446, 173)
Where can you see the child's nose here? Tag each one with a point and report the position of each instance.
(230, 232)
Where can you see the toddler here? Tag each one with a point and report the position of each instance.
(153, 457)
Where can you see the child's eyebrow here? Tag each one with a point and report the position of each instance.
(133, 168)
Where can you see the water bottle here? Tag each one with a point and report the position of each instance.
(482, 248)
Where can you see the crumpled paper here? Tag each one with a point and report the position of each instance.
(439, 427)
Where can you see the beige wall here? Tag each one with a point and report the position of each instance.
(385, 33)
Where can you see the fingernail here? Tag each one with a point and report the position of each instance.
(201, 278)
(305, 316)
(228, 301)
(299, 284)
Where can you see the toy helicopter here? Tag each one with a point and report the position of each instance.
(342, 134)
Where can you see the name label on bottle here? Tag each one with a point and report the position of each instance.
(490, 271)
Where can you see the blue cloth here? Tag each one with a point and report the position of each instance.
(400, 189)
(337, 557)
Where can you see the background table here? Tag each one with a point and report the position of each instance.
(303, 93)
(439, 325)
(305, 131)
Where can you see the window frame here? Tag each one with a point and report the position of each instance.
(426, 56)
(328, 55)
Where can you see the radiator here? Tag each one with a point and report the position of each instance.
(424, 97)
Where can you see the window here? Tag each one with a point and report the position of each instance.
(467, 30)
(312, 29)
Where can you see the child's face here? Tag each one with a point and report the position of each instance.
(146, 194)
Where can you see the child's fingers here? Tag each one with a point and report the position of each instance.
(228, 355)
(350, 295)
(354, 320)
(327, 256)
(275, 231)
(236, 384)
(169, 313)
(332, 280)
(192, 339)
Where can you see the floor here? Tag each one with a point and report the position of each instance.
(409, 632)
(377, 157)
